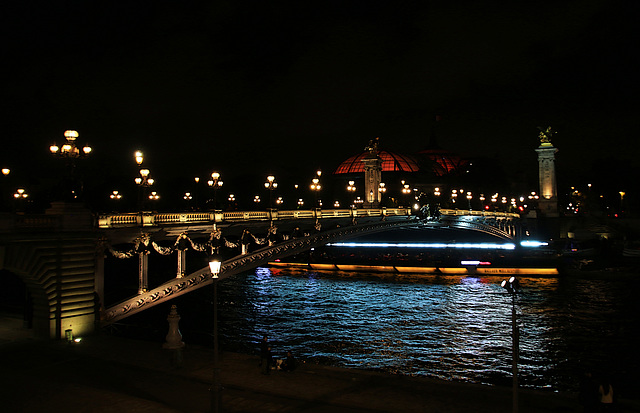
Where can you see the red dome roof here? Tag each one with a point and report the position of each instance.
(391, 162)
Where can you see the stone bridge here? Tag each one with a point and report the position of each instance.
(60, 255)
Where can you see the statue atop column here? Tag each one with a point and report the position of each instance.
(372, 147)
(372, 174)
(548, 203)
(545, 136)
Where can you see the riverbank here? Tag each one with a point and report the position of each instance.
(110, 374)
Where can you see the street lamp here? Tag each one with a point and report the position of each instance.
(188, 197)
(512, 286)
(232, 202)
(382, 188)
(316, 187)
(215, 182)
(469, 197)
(5, 172)
(215, 264)
(20, 196)
(143, 181)
(270, 185)
(406, 190)
(21, 193)
(69, 149)
(70, 152)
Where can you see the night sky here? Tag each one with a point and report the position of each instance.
(287, 87)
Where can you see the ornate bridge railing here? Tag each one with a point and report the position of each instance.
(145, 219)
(179, 286)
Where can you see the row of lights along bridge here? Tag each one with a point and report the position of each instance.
(402, 196)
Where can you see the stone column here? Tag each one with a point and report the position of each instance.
(143, 269)
(372, 177)
(548, 202)
(182, 263)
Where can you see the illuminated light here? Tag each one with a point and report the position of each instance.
(438, 245)
(524, 271)
(86, 150)
(77, 340)
(323, 266)
(474, 262)
(6, 171)
(54, 148)
(215, 264)
(531, 243)
(70, 135)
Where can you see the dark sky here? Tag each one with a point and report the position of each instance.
(265, 86)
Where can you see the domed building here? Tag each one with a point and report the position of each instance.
(428, 168)
(391, 162)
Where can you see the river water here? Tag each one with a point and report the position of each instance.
(453, 327)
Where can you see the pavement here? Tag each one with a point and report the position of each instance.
(111, 374)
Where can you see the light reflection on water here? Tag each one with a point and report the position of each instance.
(449, 327)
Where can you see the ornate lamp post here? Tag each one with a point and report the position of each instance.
(70, 152)
(143, 181)
(382, 188)
(215, 183)
(315, 187)
(20, 196)
(270, 185)
(512, 286)
(115, 197)
(351, 188)
(469, 197)
(406, 190)
(215, 264)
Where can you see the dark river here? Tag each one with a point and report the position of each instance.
(441, 326)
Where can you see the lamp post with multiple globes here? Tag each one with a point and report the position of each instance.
(316, 186)
(406, 191)
(70, 152)
(271, 185)
(351, 188)
(215, 183)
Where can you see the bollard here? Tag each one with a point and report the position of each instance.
(174, 338)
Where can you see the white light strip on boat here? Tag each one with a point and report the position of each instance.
(482, 245)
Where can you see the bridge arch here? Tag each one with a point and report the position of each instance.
(58, 273)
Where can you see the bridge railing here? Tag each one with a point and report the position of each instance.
(460, 212)
(145, 219)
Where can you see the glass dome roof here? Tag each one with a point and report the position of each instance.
(391, 162)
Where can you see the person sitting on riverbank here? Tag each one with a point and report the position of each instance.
(289, 364)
